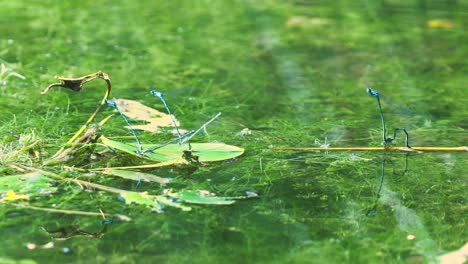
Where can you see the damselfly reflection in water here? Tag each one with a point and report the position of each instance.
(373, 210)
(387, 140)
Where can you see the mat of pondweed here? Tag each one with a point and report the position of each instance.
(294, 73)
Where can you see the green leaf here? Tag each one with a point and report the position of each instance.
(156, 202)
(141, 198)
(136, 176)
(172, 152)
(29, 183)
(174, 199)
(169, 202)
(137, 111)
(138, 198)
(200, 197)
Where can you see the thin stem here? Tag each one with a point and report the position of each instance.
(412, 149)
(146, 166)
(81, 141)
(53, 210)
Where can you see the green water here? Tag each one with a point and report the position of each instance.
(294, 73)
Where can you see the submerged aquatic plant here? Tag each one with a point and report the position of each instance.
(22, 148)
(30, 180)
(6, 73)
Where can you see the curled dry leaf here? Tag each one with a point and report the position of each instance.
(76, 84)
(138, 111)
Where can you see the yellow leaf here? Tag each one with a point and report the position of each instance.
(439, 23)
(138, 111)
(12, 196)
(455, 257)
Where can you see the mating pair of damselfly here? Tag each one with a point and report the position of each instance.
(386, 141)
(181, 139)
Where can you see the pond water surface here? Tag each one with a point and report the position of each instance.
(295, 74)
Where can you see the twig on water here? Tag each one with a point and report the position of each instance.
(405, 149)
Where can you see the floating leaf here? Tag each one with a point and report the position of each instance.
(200, 197)
(30, 183)
(439, 23)
(137, 176)
(174, 199)
(205, 151)
(138, 198)
(458, 256)
(170, 202)
(156, 202)
(138, 111)
(7, 260)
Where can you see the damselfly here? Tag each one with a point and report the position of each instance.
(114, 105)
(161, 96)
(387, 140)
(181, 139)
